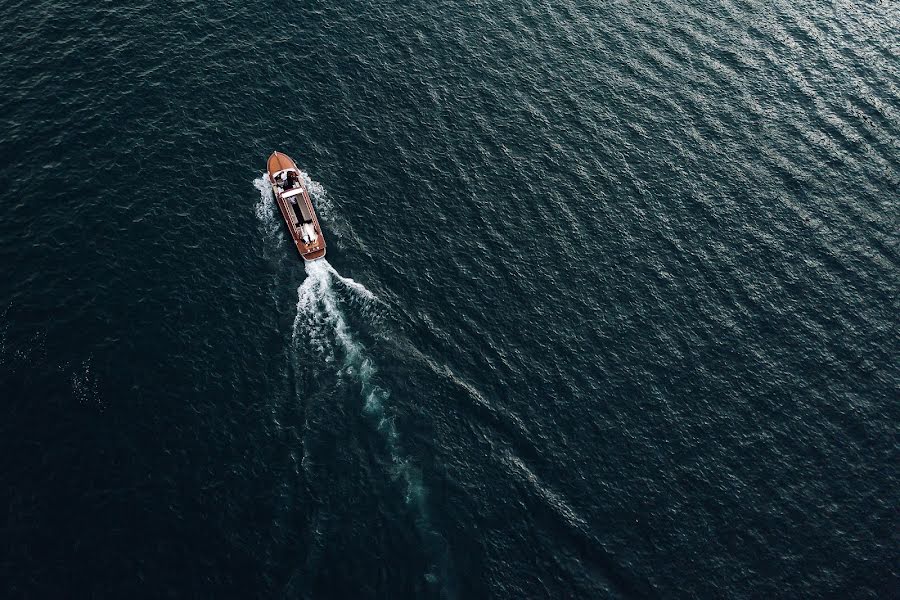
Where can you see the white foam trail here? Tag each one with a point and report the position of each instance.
(318, 314)
(321, 319)
(361, 290)
(320, 323)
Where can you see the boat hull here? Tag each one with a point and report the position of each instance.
(296, 207)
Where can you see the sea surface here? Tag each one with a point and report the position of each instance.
(611, 306)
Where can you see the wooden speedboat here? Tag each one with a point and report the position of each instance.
(296, 207)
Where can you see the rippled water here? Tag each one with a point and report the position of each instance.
(610, 305)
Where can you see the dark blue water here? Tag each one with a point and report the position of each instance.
(610, 307)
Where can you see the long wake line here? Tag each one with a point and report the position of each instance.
(320, 316)
(321, 322)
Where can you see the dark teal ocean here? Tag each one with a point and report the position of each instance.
(610, 307)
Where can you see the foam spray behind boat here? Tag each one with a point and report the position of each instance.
(325, 300)
(321, 321)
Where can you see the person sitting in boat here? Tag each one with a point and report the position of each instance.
(289, 180)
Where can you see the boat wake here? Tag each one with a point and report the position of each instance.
(322, 324)
(332, 312)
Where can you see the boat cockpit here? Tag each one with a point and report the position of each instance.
(304, 219)
(288, 179)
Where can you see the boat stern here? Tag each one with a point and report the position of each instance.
(314, 255)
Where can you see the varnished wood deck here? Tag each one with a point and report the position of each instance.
(278, 162)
